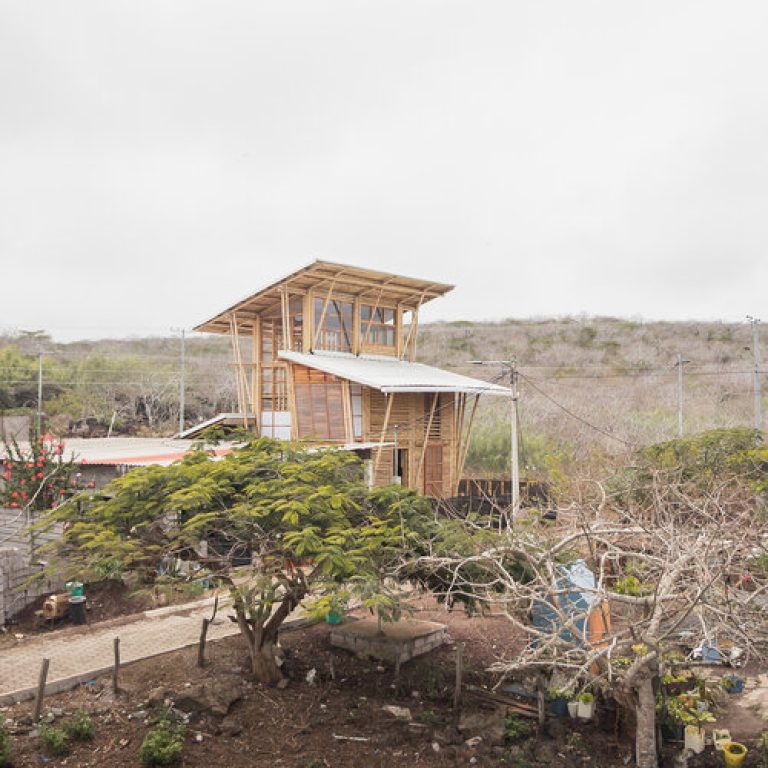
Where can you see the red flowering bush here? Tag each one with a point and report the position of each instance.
(37, 476)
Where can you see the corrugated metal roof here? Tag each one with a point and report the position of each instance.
(129, 451)
(392, 375)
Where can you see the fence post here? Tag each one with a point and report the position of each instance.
(40, 695)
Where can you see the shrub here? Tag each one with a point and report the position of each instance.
(5, 745)
(80, 727)
(516, 729)
(55, 740)
(162, 745)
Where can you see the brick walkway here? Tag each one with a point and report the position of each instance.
(80, 653)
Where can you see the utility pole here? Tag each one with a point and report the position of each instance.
(39, 392)
(182, 372)
(680, 364)
(510, 367)
(755, 321)
(515, 470)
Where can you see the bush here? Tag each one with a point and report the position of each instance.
(55, 740)
(162, 745)
(80, 727)
(5, 745)
(516, 729)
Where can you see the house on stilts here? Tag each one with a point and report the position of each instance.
(327, 355)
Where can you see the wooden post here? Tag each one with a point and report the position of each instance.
(116, 669)
(40, 695)
(201, 646)
(459, 673)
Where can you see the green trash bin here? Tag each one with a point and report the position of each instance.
(77, 610)
(75, 588)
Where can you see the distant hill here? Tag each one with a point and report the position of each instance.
(588, 385)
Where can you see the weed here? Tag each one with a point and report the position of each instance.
(79, 727)
(54, 739)
(5, 745)
(516, 729)
(162, 745)
(428, 717)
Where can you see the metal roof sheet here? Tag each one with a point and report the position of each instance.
(393, 375)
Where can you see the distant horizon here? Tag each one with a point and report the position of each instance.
(57, 337)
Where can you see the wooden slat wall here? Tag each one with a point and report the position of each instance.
(411, 416)
(320, 412)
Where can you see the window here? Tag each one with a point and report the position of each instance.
(334, 324)
(377, 326)
(319, 404)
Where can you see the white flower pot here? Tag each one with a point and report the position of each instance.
(573, 709)
(586, 711)
(694, 738)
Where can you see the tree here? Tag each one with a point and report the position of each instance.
(677, 561)
(34, 477)
(271, 521)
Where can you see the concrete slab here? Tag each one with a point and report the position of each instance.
(395, 642)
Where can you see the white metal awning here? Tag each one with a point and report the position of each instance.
(393, 375)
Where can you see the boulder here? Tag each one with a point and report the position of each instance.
(214, 696)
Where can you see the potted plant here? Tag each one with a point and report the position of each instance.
(558, 700)
(693, 720)
(734, 754)
(586, 705)
(732, 684)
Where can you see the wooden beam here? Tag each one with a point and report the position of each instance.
(370, 319)
(292, 402)
(286, 316)
(322, 315)
(426, 439)
(242, 387)
(459, 429)
(346, 400)
(460, 468)
(390, 399)
(256, 373)
(306, 332)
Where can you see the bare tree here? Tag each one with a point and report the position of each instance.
(677, 563)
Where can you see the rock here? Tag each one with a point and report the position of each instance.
(311, 675)
(473, 742)
(435, 746)
(214, 696)
(401, 713)
(230, 726)
(157, 696)
(489, 725)
(282, 683)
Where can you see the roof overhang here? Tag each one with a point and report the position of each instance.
(390, 375)
(410, 292)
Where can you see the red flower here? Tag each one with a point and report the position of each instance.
(61, 491)
(14, 495)
(14, 504)
(39, 475)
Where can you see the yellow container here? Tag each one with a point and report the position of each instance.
(734, 754)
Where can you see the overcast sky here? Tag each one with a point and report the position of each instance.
(161, 159)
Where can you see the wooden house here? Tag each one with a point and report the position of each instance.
(327, 355)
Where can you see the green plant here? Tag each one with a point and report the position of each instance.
(5, 745)
(560, 693)
(586, 697)
(55, 740)
(163, 744)
(79, 727)
(516, 729)
(428, 717)
(762, 745)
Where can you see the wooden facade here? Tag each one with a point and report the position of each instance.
(326, 309)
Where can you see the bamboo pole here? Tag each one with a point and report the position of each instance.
(388, 410)
(426, 439)
(322, 314)
(466, 441)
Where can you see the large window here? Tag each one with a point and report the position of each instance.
(377, 326)
(333, 325)
(319, 404)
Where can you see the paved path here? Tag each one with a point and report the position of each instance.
(80, 653)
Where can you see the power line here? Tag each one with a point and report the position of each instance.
(574, 415)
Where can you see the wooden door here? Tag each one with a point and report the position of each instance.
(433, 471)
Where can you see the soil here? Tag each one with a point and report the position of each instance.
(107, 601)
(299, 726)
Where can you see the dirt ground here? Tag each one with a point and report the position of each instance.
(337, 721)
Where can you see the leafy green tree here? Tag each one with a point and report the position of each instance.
(271, 521)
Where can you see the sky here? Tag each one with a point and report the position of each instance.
(161, 159)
